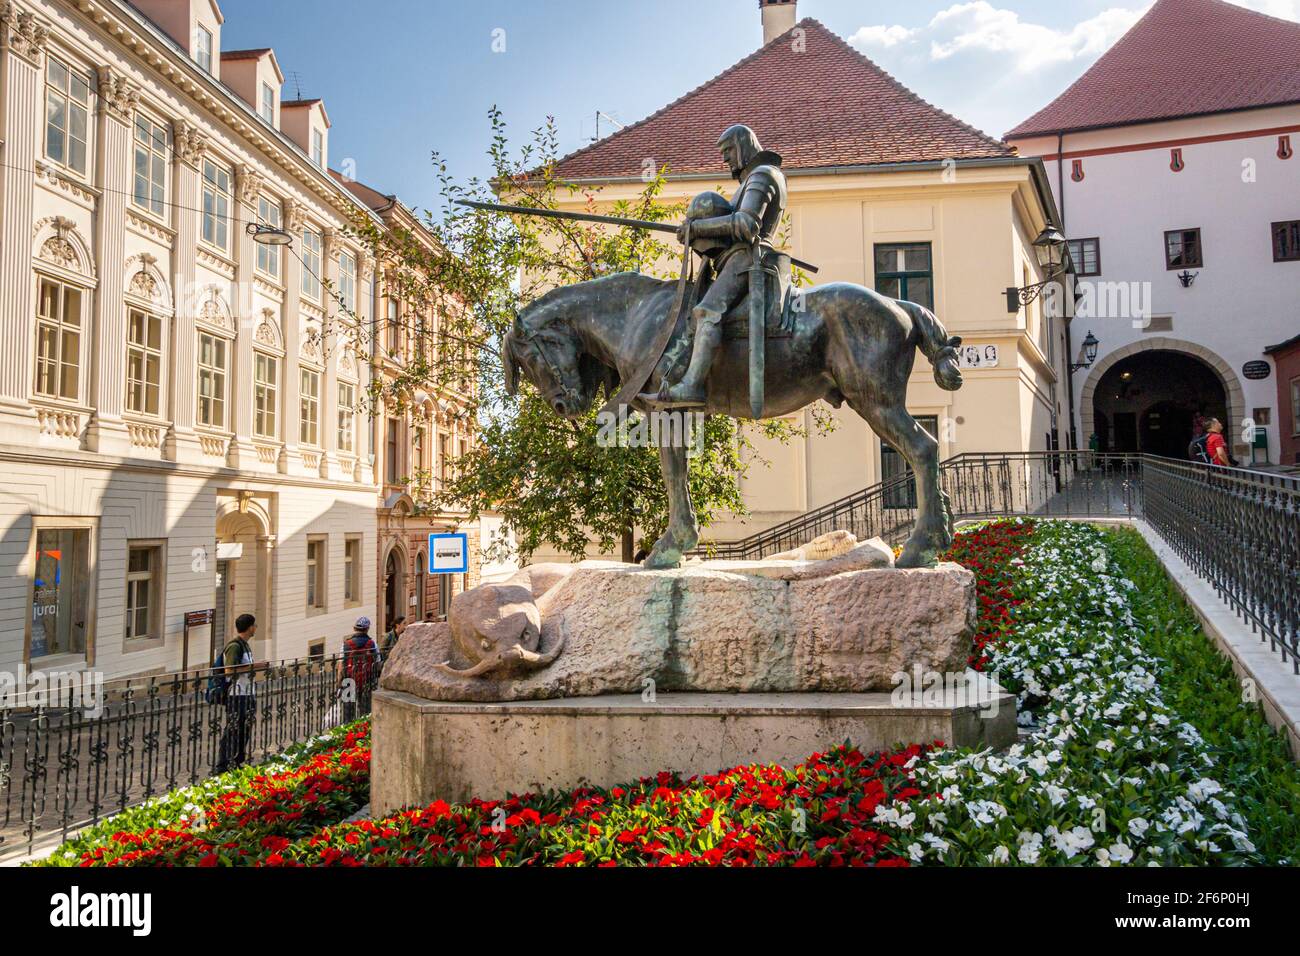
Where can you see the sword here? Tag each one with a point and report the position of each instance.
(591, 217)
(757, 334)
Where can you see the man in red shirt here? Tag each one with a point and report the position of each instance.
(1215, 446)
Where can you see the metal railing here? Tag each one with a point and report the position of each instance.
(1238, 529)
(74, 753)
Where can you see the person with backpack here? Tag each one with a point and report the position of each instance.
(360, 662)
(1216, 448)
(393, 636)
(231, 684)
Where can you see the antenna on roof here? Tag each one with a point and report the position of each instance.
(296, 77)
(599, 114)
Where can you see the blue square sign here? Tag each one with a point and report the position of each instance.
(448, 553)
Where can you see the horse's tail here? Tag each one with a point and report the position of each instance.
(936, 345)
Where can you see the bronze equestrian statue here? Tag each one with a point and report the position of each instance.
(838, 342)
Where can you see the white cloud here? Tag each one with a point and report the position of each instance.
(981, 27)
(1284, 9)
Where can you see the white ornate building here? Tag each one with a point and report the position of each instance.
(176, 433)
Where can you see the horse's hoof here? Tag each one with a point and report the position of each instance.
(663, 562)
(916, 555)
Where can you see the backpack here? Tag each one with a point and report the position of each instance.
(1197, 449)
(218, 681)
(358, 659)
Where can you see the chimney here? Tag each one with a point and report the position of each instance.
(778, 18)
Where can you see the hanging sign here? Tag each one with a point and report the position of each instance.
(448, 553)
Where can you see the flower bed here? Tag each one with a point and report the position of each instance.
(230, 819)
(1137, 757)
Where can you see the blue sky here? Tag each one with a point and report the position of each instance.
(401, 78)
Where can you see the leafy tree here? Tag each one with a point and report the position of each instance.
(550, 479)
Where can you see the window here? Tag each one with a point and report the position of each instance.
(1086, 255)
(67, 115)
(311, 246)
(264, 394)
(216, 205)
(1183, 249)
(212, 380)
(1295, 406)
(144, 591)
(316, 574)
(443, 455)
(902, 496)
(143, 362)
(267, 111)
(318, 148)
(150, 165)
(348, 280)
(904, 272)
(1286, 241)
(394, 329)
(347, 416)
(58, 340)
(417, 450)
(268, 257)
(352, 570)
(391, 472)
(203, 48)
(61, 591)
(309, 397)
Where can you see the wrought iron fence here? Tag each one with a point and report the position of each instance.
(1236, 528)
(74, 753)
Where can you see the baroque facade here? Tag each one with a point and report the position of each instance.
(181, 423)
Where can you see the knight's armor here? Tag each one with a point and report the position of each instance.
(732, 240)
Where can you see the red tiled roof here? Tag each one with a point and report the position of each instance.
(827, 105)
(1183, 58)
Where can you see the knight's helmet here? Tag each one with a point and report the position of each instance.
(746, 140)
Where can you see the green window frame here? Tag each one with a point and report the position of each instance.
(905, 270)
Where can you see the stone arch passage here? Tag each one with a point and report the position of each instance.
(1142, 397)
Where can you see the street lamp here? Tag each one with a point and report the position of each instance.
(1050, 249)
(1090, 344)
(265, 235)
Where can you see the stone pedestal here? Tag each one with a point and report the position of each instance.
(599, 674)
(429, 750)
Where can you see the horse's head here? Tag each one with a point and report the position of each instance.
(549, 355)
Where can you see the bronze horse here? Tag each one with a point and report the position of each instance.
(848, 344)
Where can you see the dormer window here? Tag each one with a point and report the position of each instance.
(318, 148)
(203, 48)
(267, 111)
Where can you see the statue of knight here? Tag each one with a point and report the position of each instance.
(741, 233)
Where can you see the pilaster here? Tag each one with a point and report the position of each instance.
(187, 150)
(291, 325)
(22, 47)
(243, 455)
(107, 433)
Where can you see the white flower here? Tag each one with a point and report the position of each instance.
(1138, 826)
(1000, 855)
(1203, 788)
(1120, 853)
(1107, 745)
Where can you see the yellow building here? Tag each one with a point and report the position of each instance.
(886, 191)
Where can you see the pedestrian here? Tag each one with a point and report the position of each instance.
(237, 680)
(394, 634)
(1215, 444)
(360, 660)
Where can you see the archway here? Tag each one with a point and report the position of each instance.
(394, 588)
(243, 575)
(1147, 401)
